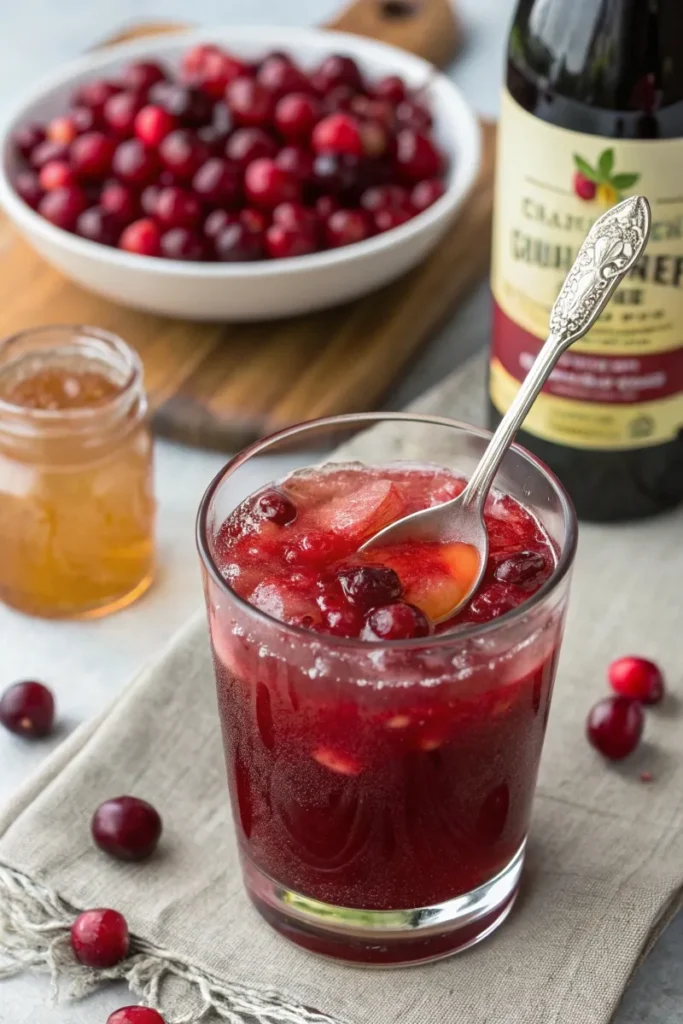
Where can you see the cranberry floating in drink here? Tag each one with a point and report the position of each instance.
(381, 762)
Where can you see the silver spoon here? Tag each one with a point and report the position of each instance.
(611, 248)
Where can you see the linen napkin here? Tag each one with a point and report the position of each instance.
(605, 858)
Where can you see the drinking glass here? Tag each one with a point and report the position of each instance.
(382, 791)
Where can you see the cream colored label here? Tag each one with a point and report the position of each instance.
(552, 184)
(621, 387)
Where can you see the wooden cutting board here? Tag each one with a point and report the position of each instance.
(223, 385)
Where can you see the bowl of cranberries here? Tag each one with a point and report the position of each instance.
(245, 174)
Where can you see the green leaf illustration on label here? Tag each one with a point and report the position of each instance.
(600, 183)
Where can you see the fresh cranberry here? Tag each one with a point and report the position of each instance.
(126, 828)
(491, 602)
(337, 70)
(152, 124)
(141, 75)
(338, 100)
(191, 107)
(237, 244)
(182, 244)
(297, 161)
(217, 72)
(375, 139)
(325, 206)
(135, 163)
(91, 154)
(390, 88)
(296, 114)
(182, 153)
(411, 114)
(267, 185)
(250, 104)
(369, 586)
(416, 156)
(175, 207)
(398, 621)
(94, 95)
(141, 237)
(283, 242)
(248, 144)
(279, 75)
(345, 227)
(27, 137)
(63, 129)
(46, 151)
(276, 507)
(337, 133)
(340, 617)
(135, 1015)
(149, 198)
(584, 187)
(194, 60)
(28, 709)
(637, 678)
(216, 221)
(387, 220)
(120, 112)
(384, 197)
(56, 174)
(63, 206)
(524, 568)
(335, 172)
(120, 201)
(368, 109)
(426, 193)
(216, 134)
(614, 726)
(294, 215)
(97, 225)
(217, 182)
(99, 938)
(253, 220)
(27, 185)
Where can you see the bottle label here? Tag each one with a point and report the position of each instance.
(621, 386)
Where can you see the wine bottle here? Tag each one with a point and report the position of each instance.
(592, 112)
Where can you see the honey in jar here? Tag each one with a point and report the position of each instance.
(76, 502)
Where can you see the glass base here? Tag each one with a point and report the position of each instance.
(386, 938)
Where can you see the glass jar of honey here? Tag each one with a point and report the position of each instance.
(76, 500)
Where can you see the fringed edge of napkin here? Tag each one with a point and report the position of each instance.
(35, 924)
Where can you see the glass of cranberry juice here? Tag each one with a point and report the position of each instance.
(382, 789)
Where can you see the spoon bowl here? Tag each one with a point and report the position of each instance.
(612, 247)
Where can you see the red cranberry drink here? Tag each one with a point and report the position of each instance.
(381, 767)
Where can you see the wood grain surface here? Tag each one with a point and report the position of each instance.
(223, 385)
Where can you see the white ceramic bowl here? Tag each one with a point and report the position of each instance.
(263, 289)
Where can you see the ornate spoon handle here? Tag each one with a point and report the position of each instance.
(610, 250)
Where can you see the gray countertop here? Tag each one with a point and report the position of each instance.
(87, 663)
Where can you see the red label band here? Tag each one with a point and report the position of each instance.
(617, 380)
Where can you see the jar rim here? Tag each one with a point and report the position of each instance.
(84, 415)
(461, 633)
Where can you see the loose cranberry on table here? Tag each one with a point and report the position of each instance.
(135, 1015)
(127, 828)
(614, 726)
(28, 709)
(637, 678)
(99, 938)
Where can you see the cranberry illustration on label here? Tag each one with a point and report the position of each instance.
(600, 182)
